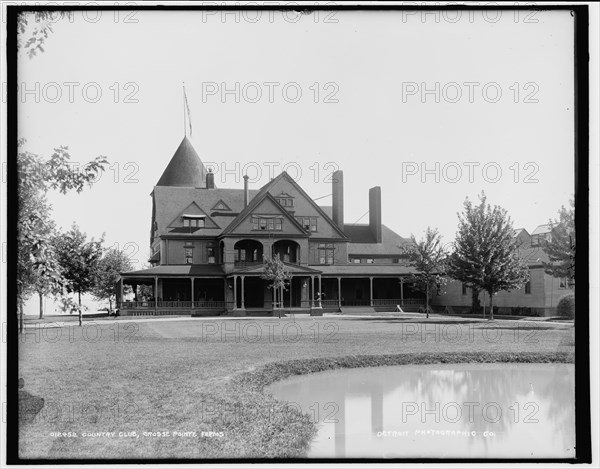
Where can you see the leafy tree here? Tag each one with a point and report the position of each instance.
(79, 260)
(34, 28)
(37, 266)
(428, 257)
(107, 275)
(561, 246)
(486, 254)
(278, 276)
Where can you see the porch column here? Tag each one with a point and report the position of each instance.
(291, 279)
(312, 291)
(192, 279)
(339, 279)
(320, 305)
(120, 299)
(243, 305)
(155, 293)
(401, 291)
(235, 292)
(370, 291)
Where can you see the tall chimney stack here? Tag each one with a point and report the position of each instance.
(337, 192)
(246, 191)
(210, 179)
(375, 212)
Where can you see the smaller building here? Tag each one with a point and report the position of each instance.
(539, 297)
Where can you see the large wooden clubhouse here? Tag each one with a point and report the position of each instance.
(208, 246)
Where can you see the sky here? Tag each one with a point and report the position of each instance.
(433, 108)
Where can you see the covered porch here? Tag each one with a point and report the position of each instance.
(173, 290)
(381, 292)
(249, 293)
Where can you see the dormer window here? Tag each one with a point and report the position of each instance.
(285, 200)
(193, 221)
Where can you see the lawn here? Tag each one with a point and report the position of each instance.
(202, 380)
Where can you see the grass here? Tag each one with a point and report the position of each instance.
(209, 376)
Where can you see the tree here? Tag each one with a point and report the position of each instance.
(37, 26)
(79, 260)
(561, 246)
(428, 257)
(486, 254)
(107, 274)
(278, 276)
(37, 265)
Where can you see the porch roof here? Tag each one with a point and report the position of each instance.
(191, 270)
(260, 269)
(371, 270)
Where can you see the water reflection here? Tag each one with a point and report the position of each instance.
(467, 410)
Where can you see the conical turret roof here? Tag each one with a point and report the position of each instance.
(185, 168)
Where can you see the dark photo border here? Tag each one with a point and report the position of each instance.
(580, 15)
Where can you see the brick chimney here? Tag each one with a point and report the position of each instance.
(375, 212)
(210, 179)
(337, 192)
(246, 191)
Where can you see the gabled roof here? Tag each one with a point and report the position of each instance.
(256, 201)
(169, 201)
(542, 229)
(185, 168)
(285, 175)
(192, 210)
(220, 206)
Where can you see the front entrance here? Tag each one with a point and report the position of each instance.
(254, 292)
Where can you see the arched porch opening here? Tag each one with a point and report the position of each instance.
(248, 252)
(288, 250)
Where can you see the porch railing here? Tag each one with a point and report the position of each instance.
(171, 304)
(209, 304)
(137, 304)
(247, 263)
(398, 301)
(328, 303)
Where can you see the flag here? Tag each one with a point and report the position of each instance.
(187, 109)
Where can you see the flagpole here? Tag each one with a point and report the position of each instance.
(184, 121)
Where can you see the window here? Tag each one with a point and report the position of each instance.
(264, 223)
(356, 260)
(308, 223)
(528, 287)
(189, 255)
(326, 253)
(193, 222)
(286, 201)
(464, 289)
(370, 261)
(564, 282)
(210, 252)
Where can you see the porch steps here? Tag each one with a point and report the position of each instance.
(357, 310)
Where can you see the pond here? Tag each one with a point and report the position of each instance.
(438, 411)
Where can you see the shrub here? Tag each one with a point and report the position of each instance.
(566, 307)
